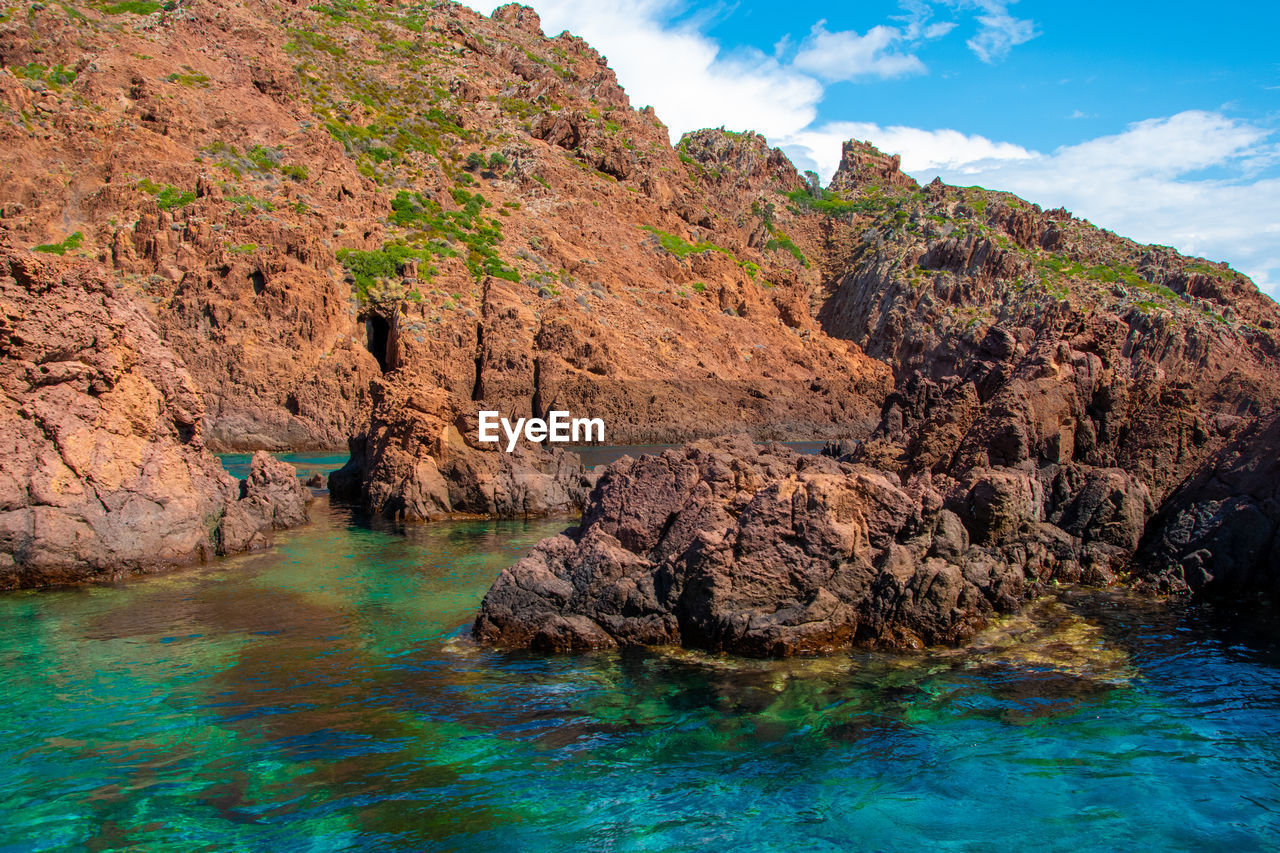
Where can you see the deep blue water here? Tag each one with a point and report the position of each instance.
(323, 696)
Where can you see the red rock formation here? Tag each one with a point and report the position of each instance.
(371, 223)
(863, 165)
(727, 545)
(103, 468)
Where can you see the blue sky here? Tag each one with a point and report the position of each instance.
(1160, 121)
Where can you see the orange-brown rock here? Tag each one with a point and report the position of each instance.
(728, 545)
(103, 468)
(421, 460)
(370, 222)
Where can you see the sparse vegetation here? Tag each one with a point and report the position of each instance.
(57, 76)
(167, 197)
(247, 202)
(873, 200)
(189, 77)
(70, 244)
(131, 7)
(434, 232)
(369, 268)
(779, 240)
(681, 248)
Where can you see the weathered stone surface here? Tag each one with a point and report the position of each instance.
(729, 545)
(421, 460)
(1220, 532)
(103, 468)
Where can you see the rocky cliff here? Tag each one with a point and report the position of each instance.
(361, 223)
(103, 469)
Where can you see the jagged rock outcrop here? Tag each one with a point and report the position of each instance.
(103, 468)
(729, 545)
(269, 498)
(1034, 342)
(421, 460)
(862, 165)
(1219, 533)
(1055, 384)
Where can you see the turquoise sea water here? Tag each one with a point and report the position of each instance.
(305, 463)
(323, 697)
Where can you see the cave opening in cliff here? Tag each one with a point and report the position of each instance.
(259, 282)
(377, 338)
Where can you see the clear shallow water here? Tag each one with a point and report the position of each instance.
(318, 697)
(306, 463)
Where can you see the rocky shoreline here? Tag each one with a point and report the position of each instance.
(355, 240)
(728, 545)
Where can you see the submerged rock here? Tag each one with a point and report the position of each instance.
(103, 468)
(729, 545)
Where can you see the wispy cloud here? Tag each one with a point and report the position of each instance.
(918, 23)
(999, 31)
(846, 55)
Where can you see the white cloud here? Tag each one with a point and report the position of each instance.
(845, 55)
(819, 148)
(999, 32)
(916, 19)
(1141, 183)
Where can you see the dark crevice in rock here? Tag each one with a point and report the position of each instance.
(377, 340)
(477, 387)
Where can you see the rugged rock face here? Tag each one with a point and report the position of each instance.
(1055, 385)
(729, 545)
(164, 159)
(370, 223)
(1220, 532)
(494, 199)
(1032, 341)
(420, 460)
(862, 165)
(103, 468)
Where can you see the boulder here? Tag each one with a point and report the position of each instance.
(103, 468)
(732, 546)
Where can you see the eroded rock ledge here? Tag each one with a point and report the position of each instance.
(103, 469)
(729, 545)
